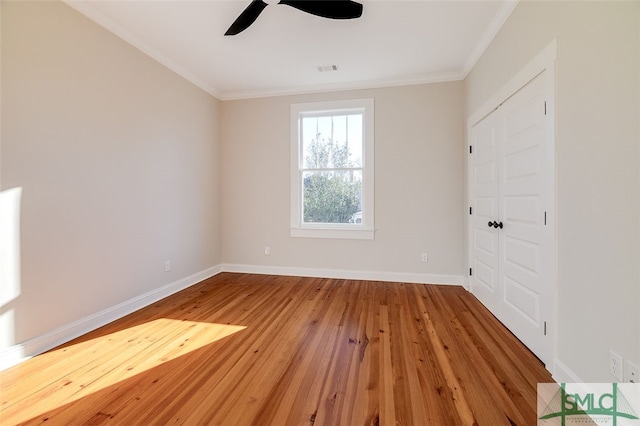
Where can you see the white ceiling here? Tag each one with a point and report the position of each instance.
(394, 42)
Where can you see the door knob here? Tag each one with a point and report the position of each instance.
(496, 224)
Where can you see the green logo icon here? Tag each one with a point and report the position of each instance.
(600, 404)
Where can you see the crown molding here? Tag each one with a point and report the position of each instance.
(85, 8)
(352, 85)
(490, 33)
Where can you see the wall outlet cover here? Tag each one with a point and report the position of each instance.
(615, 365)
(631, 373)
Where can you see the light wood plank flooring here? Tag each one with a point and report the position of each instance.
(242, 349)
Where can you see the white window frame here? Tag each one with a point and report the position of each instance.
(364, 230)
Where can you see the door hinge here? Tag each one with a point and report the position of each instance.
(545, 328)
(545, 107)
(470, 210)
(545, 218)
(470, 271)
(470, 149)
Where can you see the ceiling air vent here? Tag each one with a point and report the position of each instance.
(327, 68)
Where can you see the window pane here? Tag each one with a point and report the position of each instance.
(339, 131)
(316, 143)
(332, 197)
(332, 141)
(354, 137)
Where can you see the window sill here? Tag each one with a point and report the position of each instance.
(344, 234)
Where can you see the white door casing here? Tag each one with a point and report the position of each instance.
(512, 200)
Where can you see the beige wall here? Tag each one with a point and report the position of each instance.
(597, 161)
(118, 161)
(419, 150)
(124, 165)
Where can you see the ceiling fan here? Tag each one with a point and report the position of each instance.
(333, 9)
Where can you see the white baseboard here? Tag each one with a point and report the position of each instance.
(25, 350)
(403, 277)
(22, 351)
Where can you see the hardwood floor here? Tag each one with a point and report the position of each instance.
(265, 350)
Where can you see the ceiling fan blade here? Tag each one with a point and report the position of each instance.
(334, 9)
(247, 17)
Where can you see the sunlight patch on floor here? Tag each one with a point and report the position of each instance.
(67, 374)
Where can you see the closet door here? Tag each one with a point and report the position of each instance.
(485, 210)
(525, 244)
(518, 291)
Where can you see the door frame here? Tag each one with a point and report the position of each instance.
(544, 61)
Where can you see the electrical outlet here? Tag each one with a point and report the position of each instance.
(631, 373)
(267, 250)
(425, 257)
(615, 365)
(167, 265)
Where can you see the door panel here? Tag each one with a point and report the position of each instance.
(485, 276)
(521, 164)
(524, 209)
(520, 299)
(486, 242)
(523, 254)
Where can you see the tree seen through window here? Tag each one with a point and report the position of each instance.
(332, 169)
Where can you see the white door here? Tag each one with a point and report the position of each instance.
(485, 208)
(518, 289)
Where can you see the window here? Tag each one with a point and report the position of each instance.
(332, 169)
